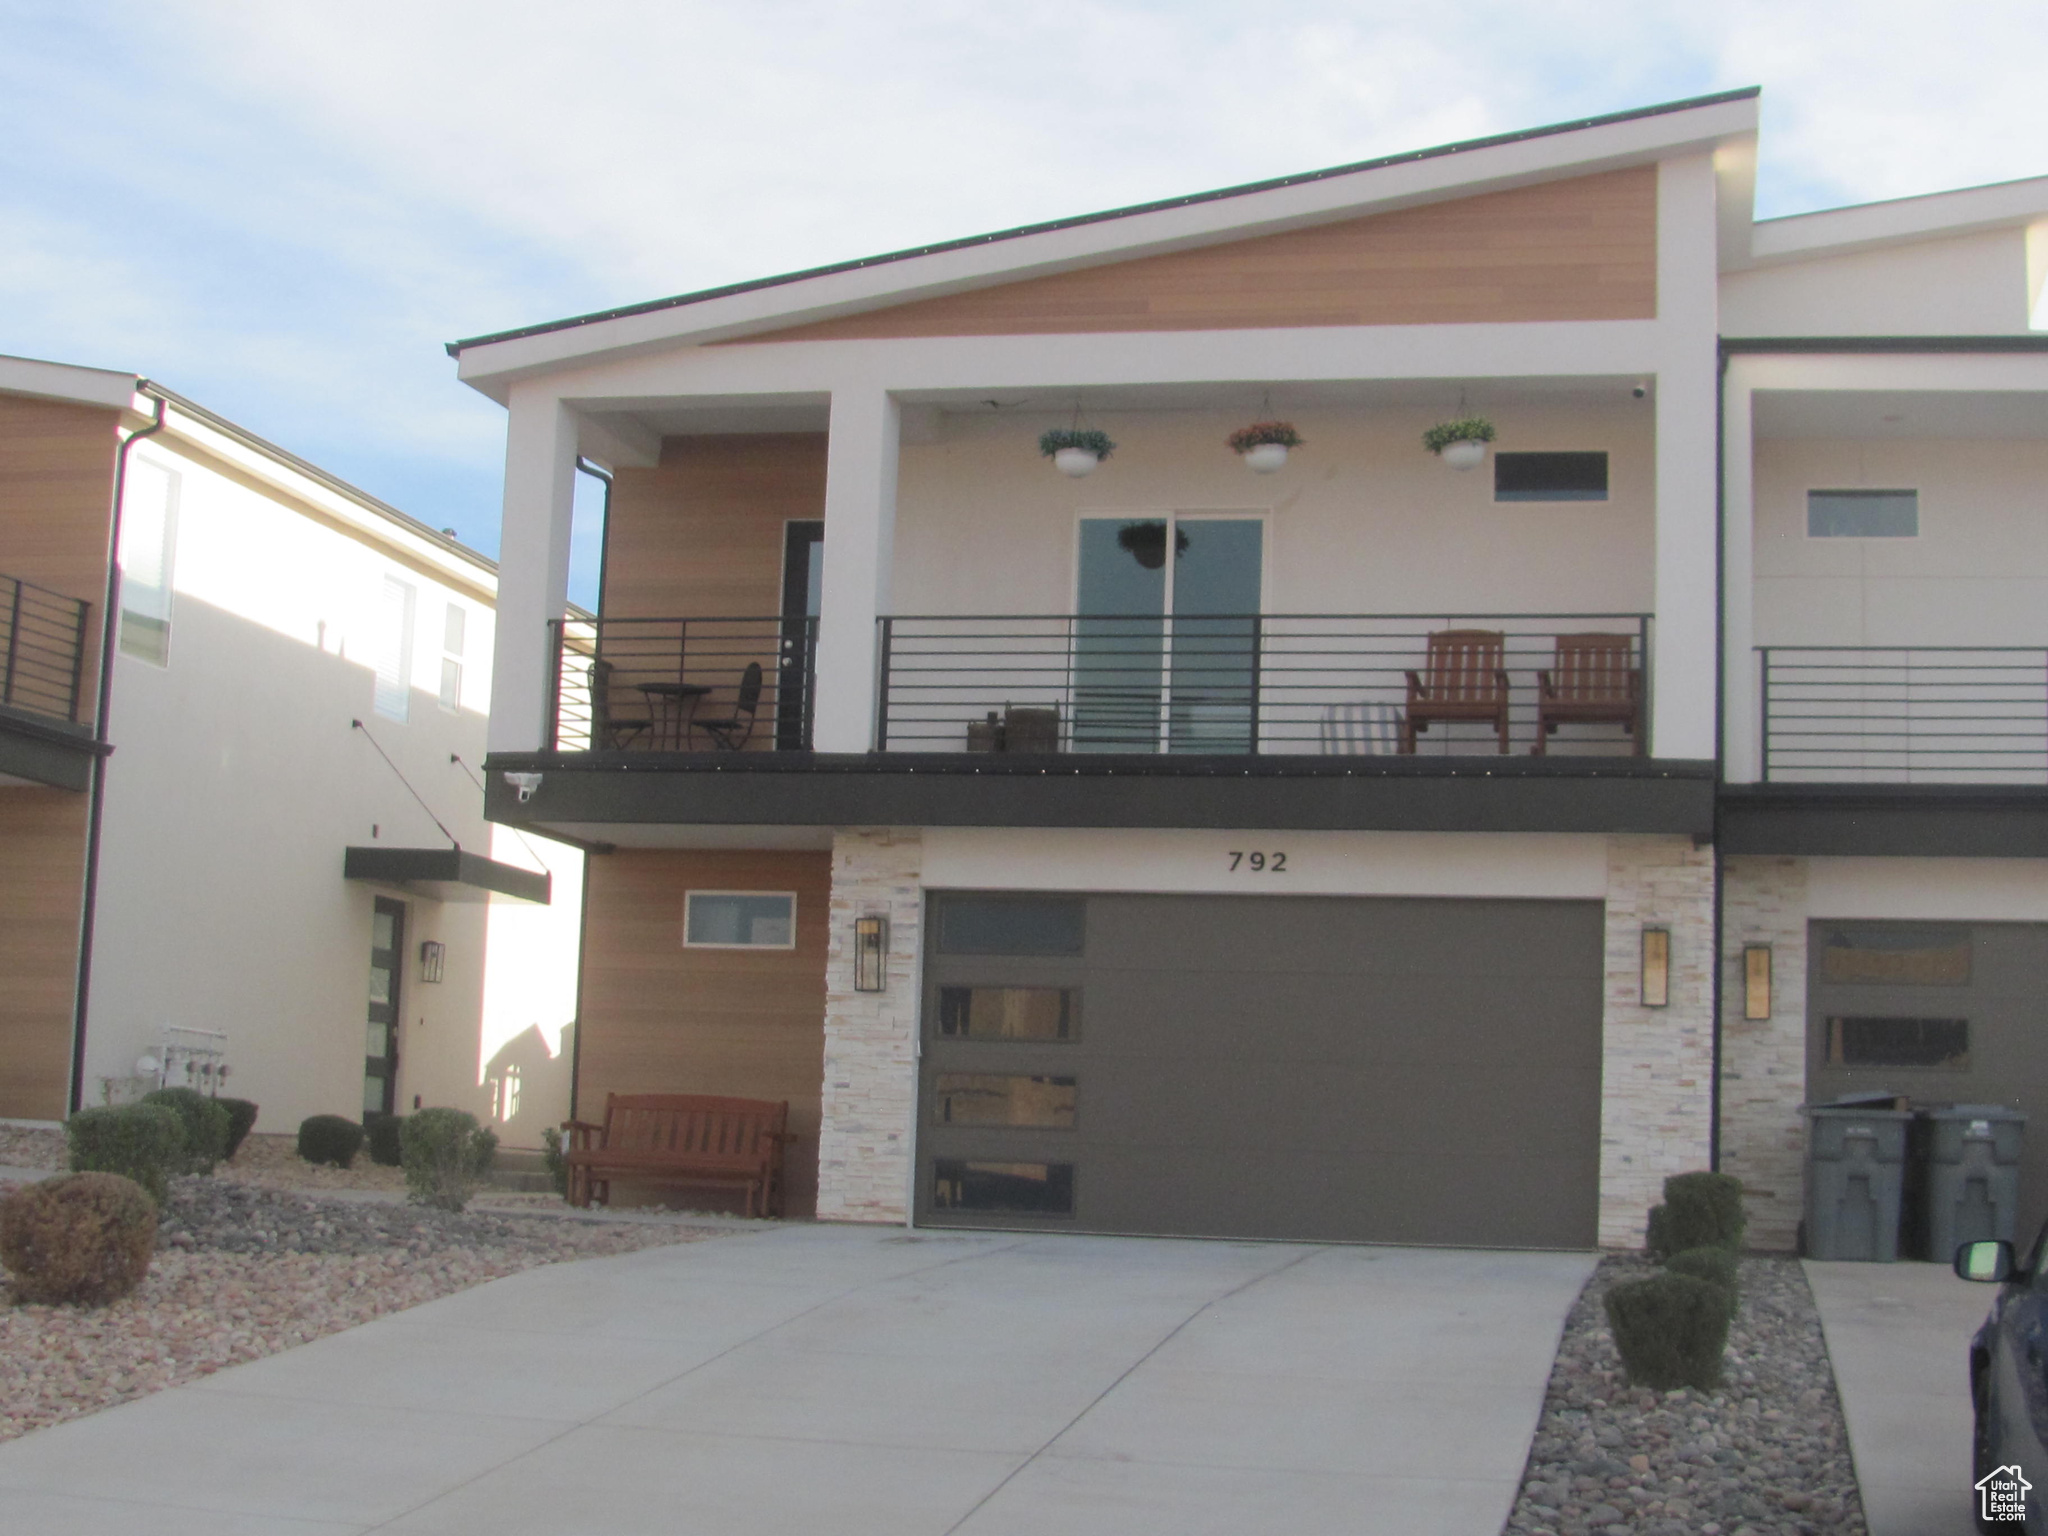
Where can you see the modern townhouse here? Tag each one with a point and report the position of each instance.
(1359, 847)
(255, 843)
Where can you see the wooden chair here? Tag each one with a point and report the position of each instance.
(1594, 681)
(609, 729)
(1462, 679)
(731, 731)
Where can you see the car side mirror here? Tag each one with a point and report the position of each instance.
(1989, 1262)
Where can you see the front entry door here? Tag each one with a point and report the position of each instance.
(380, 1044)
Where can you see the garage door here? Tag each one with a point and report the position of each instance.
(1371, 1070)
(1941, 1012)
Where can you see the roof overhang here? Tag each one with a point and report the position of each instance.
(1885, 820)
(67, 383)
(1898, 221)
(445, 874)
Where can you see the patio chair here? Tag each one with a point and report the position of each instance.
(608, 729)
(1593, 681)
(731, 732)
(1461, 680)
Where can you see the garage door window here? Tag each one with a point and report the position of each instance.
(978, 925)
(1905, 955)
(1880, 1042)
(1008, 1013)
(1003, 1098)
(1023, 1189)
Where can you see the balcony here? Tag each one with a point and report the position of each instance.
(42, 670)
(1904, 715)
(682, 685)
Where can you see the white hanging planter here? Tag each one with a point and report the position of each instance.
(1075, 461)
(1464, 454)
(1265, 458)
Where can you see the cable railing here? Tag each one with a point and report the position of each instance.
(1232, 683)
(1904, 714)
(682, 684)
(42, 649)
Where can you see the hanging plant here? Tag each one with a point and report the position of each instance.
(1263, 445)
(1146, 543)
(1076, 451)
(1462, 443)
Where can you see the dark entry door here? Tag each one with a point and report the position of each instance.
(803, 574)
(1334, 1068)
(380, 1043)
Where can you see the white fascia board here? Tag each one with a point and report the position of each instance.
(491, 367)
(368, 522)
(2018, 373)
(1801, 237)
(67, 382)
(909, 366)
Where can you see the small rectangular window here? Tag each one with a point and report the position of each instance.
(1941, 1044)
(393, 698)
(149, 544)
(739, 920)
(1862, 514)
(1011, 925)
(451, 683)
(1006, 1013)
(999, 1098)
(1020, 1189)
(1550, 477)
(452, 625)
(1905, 955)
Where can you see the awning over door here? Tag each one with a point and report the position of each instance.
(446, 874)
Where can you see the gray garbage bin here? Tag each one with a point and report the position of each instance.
(1855, 1160)
(1971, 1175)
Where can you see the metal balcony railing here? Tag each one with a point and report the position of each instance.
(1904, 714)
(682, 685)
(1215, 683)
(42, 649)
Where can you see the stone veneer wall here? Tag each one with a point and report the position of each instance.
(1763, 1064)
(870, 1098)
(1657, 1063)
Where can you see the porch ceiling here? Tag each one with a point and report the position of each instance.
(1859, 413)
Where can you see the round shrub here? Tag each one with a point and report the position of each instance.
(446, 1153)
(1670, 1330)
(78, 1237)
(206, 1126)
(329, 1139)
(1700, 1210)
(142, 1142)
(241, 1121)
(382, 1134)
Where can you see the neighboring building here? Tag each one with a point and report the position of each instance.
(266, 883)
(1203, 951)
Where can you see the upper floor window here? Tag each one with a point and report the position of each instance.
(1550, 477)
(394, 649)
(149, 544)
(452, 626)
(1862, 514)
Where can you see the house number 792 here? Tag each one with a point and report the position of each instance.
(1259, 863)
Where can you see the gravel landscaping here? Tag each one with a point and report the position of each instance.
(1766, 1455)
(243, 1271)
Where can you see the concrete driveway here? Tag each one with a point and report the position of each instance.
(853, 1380)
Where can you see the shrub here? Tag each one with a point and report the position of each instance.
(1670, 1330)
(1716, 1266)
(555, 1160)
(79, 1237)
(447, 1155)
(205, 1124)
(330, 1139)
(381, 1133)
(1700, 1210)
(142, 1142)
(241, 1121)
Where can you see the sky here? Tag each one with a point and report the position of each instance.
(284, 209)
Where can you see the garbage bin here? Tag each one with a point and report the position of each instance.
(1855, 1159)
(1970, 1176)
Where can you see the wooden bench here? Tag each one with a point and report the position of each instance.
(681, 1138)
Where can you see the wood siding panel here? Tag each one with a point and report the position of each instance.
(42, 882)
(56, 496)
(700, 534)
(659, 1018)
(1584, 249)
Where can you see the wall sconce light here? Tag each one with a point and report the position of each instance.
(433, 954)
(1756, 982)
(1656, 967)
(870, 954)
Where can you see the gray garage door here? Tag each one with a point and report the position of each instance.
(1941, 1012)
(1370, 1070)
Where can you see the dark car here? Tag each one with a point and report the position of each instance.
(2009, 1385)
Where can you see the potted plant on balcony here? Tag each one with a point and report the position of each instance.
(1263, 445)
(1462, 443)
(1075, 450)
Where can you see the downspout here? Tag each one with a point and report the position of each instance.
(1720, 728)
(604, 538)
(110, 634)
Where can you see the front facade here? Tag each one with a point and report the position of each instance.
(1246, 857)
(231, 856)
